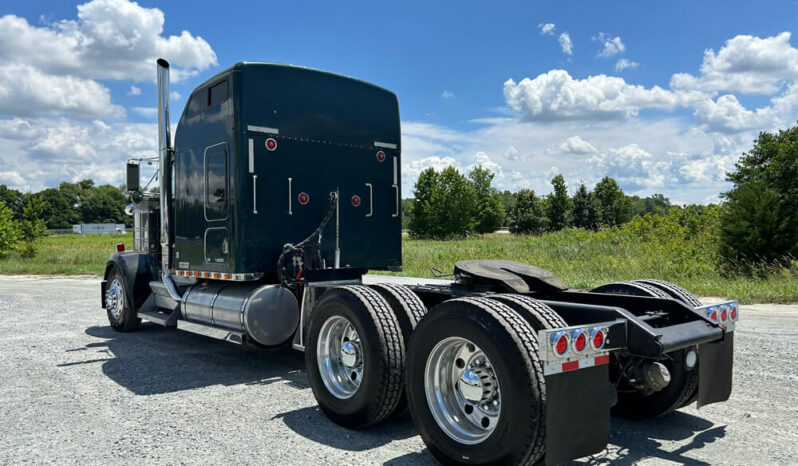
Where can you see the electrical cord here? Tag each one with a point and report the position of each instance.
(290, 280)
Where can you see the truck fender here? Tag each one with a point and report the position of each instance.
(138, 270)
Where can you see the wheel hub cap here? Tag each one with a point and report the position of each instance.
(462, 390)
(340, 358)
(115, 299)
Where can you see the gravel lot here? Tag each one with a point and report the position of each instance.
(73, 391)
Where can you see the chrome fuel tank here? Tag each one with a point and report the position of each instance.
(269, 314)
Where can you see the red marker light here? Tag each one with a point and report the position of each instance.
(734, 312)
(355, 200)
(303, 198)
(380, 156)
(561, 346)
(271, 144)
(120, 247)
(714, 316)
(723, 314)
(598, 339)
(581, 342)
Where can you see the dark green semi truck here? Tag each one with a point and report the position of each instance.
(281, 192)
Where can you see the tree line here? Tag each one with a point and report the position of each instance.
(450, 204)
(71, 203)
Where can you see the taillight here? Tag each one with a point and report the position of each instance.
(559, 343)
(712, 313)
(579, 337)
(120, 247)
(724, 313)
(596, 338)
(734, 312)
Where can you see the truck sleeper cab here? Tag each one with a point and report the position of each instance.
(282, 191)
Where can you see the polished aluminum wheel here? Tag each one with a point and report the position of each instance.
(462, 390)
(340, 357)
(115, 298)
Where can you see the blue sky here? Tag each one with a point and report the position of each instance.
(662, 96)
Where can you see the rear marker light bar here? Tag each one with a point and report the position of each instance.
(578, 347)
(724, 314)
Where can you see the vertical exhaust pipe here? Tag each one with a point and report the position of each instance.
(165, 157)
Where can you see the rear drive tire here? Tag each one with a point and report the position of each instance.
(537, 314)
(409, 310)
(355, 356)
(480, 353)
(675, 291)
(683, 387)
(121, 314)
(680, 294)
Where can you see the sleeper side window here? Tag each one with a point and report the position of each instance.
(217, 93)
(216, 189)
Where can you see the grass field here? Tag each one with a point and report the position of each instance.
(580, 258)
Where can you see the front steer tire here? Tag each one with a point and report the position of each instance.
(510, 344)
(378, 348)
(121, 314)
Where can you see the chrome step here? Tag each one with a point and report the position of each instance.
(160, 318)
(213, 332)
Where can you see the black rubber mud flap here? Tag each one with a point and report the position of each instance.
(715, 370)
(577, 414)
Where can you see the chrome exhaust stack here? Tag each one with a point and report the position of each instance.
(165, 188)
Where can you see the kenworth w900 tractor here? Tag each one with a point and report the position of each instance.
(282, 190)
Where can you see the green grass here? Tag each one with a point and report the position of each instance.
(587, 259)
(67, 255)
(580, 258)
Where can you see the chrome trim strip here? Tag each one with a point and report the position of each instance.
(263, 129)
(396, 170)
(251, 155)
(386, 145)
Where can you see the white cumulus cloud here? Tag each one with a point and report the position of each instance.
(611, 45)
(555, 95)
(565, 44)
(546, 29)
(747, 64)
(110, 39)
(625, 64)
(25, 91)
(726, 114)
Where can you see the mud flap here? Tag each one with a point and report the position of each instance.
(577, 413)
(715, 370)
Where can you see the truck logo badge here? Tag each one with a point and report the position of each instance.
(356, 200)
(271, 144)
(304, 198)
(380, 156)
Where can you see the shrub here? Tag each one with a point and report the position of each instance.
(760, 215)
(9, 230)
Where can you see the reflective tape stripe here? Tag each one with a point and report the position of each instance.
(569, 366)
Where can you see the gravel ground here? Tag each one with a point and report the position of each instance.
(72, 391)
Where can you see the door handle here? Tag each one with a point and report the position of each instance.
(396, 192)
(371, 200)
